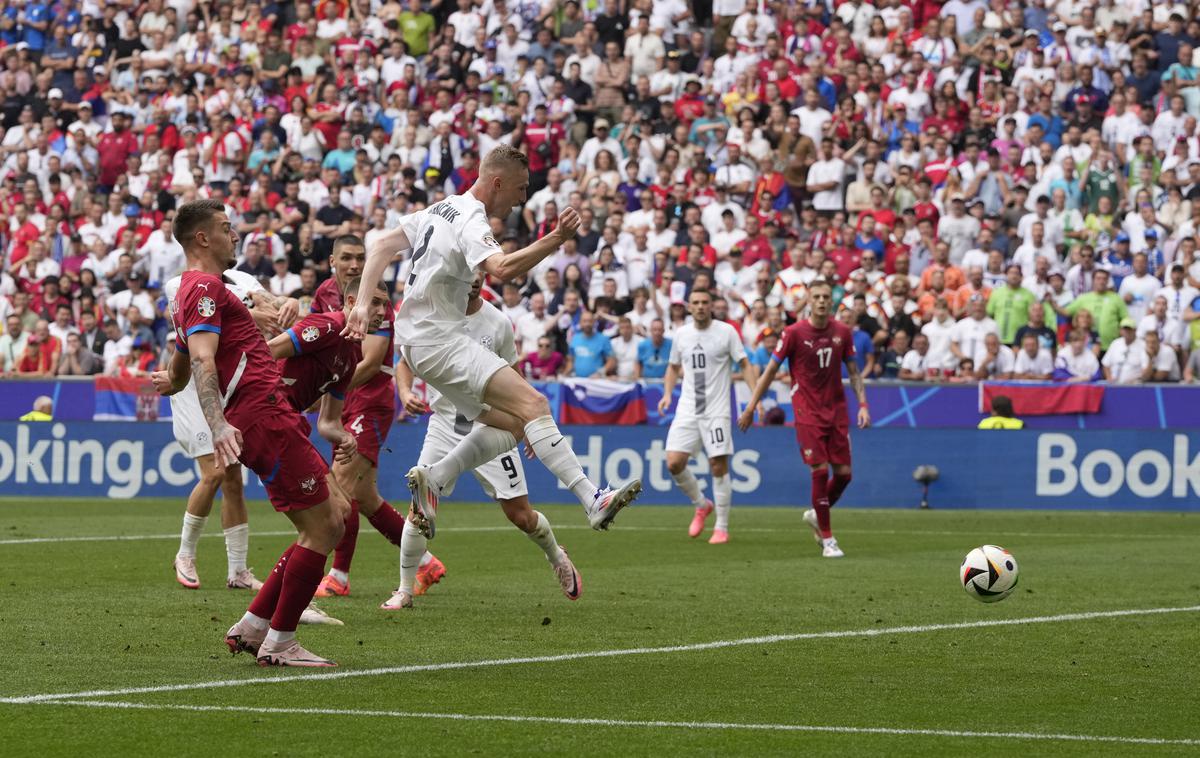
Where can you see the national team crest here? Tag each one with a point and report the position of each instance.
(486, 341)
(310, 334)
(808, 452)
(837, 340)
(207, 306)
(309, 485)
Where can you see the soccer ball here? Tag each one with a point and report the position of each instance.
(989, 573)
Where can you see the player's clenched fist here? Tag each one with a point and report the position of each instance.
(568, 223)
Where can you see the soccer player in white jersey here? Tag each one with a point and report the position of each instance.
(502, 478)
(450, 241)
(705, 352)
(191, 432)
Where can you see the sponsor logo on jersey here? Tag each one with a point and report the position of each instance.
(808, 342)
(207, 306)
(203, 286)
(309, 485)
(310, 334)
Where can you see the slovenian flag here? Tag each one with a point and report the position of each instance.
(601, 401)
(132, 398)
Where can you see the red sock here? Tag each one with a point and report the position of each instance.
(263, 604)
(300, 579)
(837, 487)
(820, 501)
(344, 552)
(388, 522)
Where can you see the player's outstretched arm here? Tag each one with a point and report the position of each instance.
(506, 266)
(329, 426)
(747, 418)
(413, 405)
(226, 438)
(175, 377)
(860, 392)
(669, 379)
(380, 252)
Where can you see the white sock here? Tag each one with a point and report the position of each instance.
(543, 536)
(425, 559)
(547, 441)
(688, 484)
(258, 622)
(340, 575)
(483, 444)
(412, 549)
(274, 635)
(193, 527)
(237, 545)
(722, 499)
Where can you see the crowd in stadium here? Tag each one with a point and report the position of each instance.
(995, 189)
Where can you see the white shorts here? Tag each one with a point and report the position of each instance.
(693, 434)
(459, 369)
(188, 423)
(502, 478)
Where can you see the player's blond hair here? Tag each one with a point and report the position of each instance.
(503, 158)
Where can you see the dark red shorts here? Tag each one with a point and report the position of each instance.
(277, 448)
(370, 426)
(824, 444)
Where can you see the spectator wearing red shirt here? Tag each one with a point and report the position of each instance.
(114, 148)
(844, 254)
(542, 140)
(756, 247)
(544, 363)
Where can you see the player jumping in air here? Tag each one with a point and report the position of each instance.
(704, 352)
(318, 364)
(368, 414)
(250, 419)
(815, 350)
(502, 478)
(451, 240)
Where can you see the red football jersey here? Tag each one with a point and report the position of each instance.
(327, 298)
(378, 392)
(246, 374)
(324, 361)
(815, 358)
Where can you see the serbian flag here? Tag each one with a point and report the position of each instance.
(600, 401)
(1043, 399)
(132, 398)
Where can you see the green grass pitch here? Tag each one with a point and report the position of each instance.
(102, 615)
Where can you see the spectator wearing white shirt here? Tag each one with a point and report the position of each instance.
(1125, 361)
(940, 332)
(1036, 247)
(969, 335)
(161, 258)
(1033, 361)
(118, 345)
(625, 349)
(813, 117)
(533, 325)
(992, 359)
(1076, 362)
(1160, 364)
(1170, 331)
(283, 283)
(119, 304)
(1139, 288)
(825, 179)
(916, 366)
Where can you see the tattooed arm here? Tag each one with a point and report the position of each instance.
(226, 438)
(860, 392)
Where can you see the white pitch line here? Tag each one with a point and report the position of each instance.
(684, 648)
(655, 724)
(977, 533)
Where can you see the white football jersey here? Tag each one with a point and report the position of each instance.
(492, 329)
(450, 240)
(185, 404)
(707, 357)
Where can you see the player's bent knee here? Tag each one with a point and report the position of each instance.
(718, 466)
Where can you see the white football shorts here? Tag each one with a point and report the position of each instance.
(693, 434)
(459, 369)
(502, 478)
(188, 423)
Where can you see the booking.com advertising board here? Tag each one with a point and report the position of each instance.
(1101, 470)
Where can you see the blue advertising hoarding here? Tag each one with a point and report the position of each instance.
(1101, 470)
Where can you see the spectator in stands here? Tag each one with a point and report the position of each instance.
(76, 359)
(654, 352)
(543, 363)
(117, 347)
(1125, 360)
(12, 343)
(917, 366)
(891, 360)
(1106, 307)
(1009, 306)
(625, 346)
(591, 353)
(993, 359)
(1033, 361)
(1047, 338)
(1076, 362)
